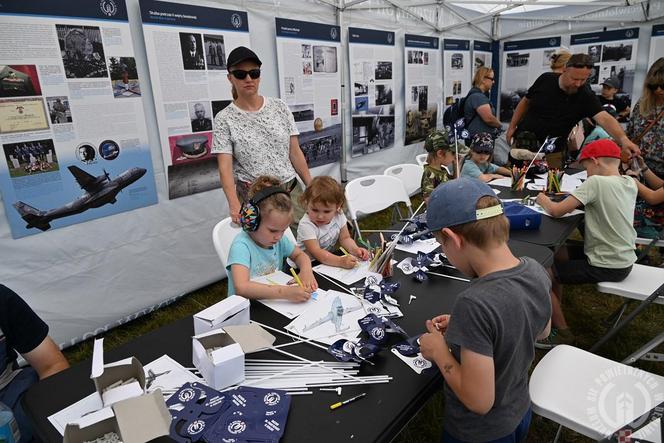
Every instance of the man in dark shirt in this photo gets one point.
(22, 331)
(610, 88)
(557, 102)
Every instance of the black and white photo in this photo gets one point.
(200, 113)
(325, 59)
(215, 51)
(82, 51)
(191, 46)
(58, 109)
(383, 71)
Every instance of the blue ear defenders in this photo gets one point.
(250, 214)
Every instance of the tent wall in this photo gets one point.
(90, 277)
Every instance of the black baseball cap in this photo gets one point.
(612, 82)
(241, 54)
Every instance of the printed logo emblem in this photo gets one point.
(629, 34)
(108, 7)
(390, 38)
(187, 394)
(196, 427)
(236, 20)
(237, 427)
(333, 33)
(420, 362)
(272, 398)
(552, 42)
(377, 333)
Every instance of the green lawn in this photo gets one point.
(585, 309)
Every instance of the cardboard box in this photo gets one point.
(104, 375)
(135, 420)
(233, 310)
(225, 366)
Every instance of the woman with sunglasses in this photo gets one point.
(478, 111)
(646, 124)
(255, 136)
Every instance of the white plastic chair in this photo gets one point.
(421, 159)
(225, 232)
(409, 174)
(374, 193)
(569, 383)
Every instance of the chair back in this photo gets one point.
(409, 174)
(374, 193)
(421, 159)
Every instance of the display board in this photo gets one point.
(523, 62)
(423, 90)
(187, 46)
(371, 58)
(656, 44)
(614, 55)
(458, 71)
(308, 55)
(482, 55)
(72, 128)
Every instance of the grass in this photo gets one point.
(585, 309)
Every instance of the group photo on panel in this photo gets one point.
(479, 216)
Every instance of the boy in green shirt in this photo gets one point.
(609, 240)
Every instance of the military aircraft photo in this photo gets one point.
(99, 191)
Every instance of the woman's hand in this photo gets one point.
(234, 208)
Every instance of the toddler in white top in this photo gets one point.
(324, 224)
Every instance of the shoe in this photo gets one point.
(555, 338)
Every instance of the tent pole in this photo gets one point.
(343, 38)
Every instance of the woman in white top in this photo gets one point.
(255, 136)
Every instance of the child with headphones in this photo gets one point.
(261, 247)
(324, 224)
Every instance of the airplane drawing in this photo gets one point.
(335, 316)
(99, 191)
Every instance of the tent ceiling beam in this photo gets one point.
(479, 19)
(537, 28)
(415, 16)
(329, 3)
(474, 26)
(573, 19)
(352, 3)
(506, 3)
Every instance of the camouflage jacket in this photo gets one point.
(431, 178)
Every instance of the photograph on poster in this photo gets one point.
(218, 105)
(425, 58)
(456, 87)
(419, 124)
(188, 147)
(109, 150)
(86, 153)
(215, 51)
(306, 51)
(456, 61)
(289, 87)
(191, 46)
(19, 81)
(82, 51)
(480, 60)
(199, 114)
(187, 178)
(321, 146)
(22, 115)
(361, 88)
(546, 57)
(595, 52)
(124, 77)
(383, 71)
(373, 131)
(306, 68)
(325, 59)
(517, 60)
(30, 157)
(361, 104)
(383, 95)
(422, 98)
(594, 76)
(302, 113)
(616, 52)
(58, 109)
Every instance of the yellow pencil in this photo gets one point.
(341, 248)
(296, 277)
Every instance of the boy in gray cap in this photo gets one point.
(485, 347)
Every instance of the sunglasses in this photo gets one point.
(581, 65)
(489, 78)
(654, 87)
(241, 74)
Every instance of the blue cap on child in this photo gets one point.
(455, 202)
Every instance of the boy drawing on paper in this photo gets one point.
(261, 247)
(324, 224)
(440, 160)
(485, 347)
(609, 239)
(479, 164)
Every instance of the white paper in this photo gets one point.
(569, 183)
(507, 182)
(322, 321)
(74, 412)
(345, 276)
(583, 175)
(284, 307)
(417, 363)
(425, 246)
(535, 186)
(541, 210)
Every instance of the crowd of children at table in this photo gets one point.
(512, 305)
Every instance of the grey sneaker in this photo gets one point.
(555, 338)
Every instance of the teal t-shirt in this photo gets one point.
(260, 261)
(471, 169)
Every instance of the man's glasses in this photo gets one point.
(241, 74)
(581, 65)
(654, 87)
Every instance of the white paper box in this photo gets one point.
(225, 367)
(233, 310)
(105, 375)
